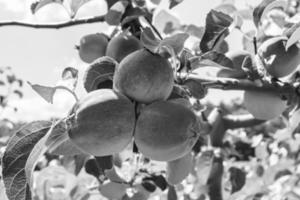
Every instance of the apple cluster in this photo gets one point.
(128, 101)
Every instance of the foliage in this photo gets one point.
(239, 150)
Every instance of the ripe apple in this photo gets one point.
(92, 46)
(103, 123)
(144, 77)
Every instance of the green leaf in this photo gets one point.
(115, 13)
(156, 2)
(110, 3)
(132, 14)
(44, 91)
(75, 5)
(293, 39)
(172, 194)
(216, 29)
(237, 179)
(264, 7)
(149, 40)
(218, 58)
(174, 3)
(19, 93)
(69, 78)
(74, 163)
(226, 8)
(41, 3)
(16, 155)
(54, 137)
(175, 41)
(289, 32)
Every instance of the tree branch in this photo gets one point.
(56, 25)
(214, 181)
(241, 121)
(241, 84)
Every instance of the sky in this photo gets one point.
(40, 55)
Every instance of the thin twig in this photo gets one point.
(56, 25)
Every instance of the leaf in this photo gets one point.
(69, 78)
(174, 3)
(175, 41)
(44, 91)
(156, 2)
(172, 194)
(41, 3)
(67, 148)
(237, 179)
(149, 40)
(101, 70)
(264, 7)
(293, 39)
(110, 3)
(104, 162)
(216, 29)
(159, 181)
(54, 137)
(218, 58)
(19, 93)
(132, 14)
(15, 156)
(149, 186)
(289, 32)
(226, 8)
(165, 21)
(74, 163)
(195, 30)
(75, 5)
(115, 13)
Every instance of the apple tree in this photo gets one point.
(146, 128)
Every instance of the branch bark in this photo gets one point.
(240, 84)
(70, 23)
(241, 121)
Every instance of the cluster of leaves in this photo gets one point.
(239, 157)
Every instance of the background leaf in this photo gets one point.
(44, 91)
(15, 156)
(41, 3)
(174, 3)
(216, 29)
(149, 40)
(75, 6)
(264, 7)
(237, 179)
(115, 13)
(175, 41)
(294, 38)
